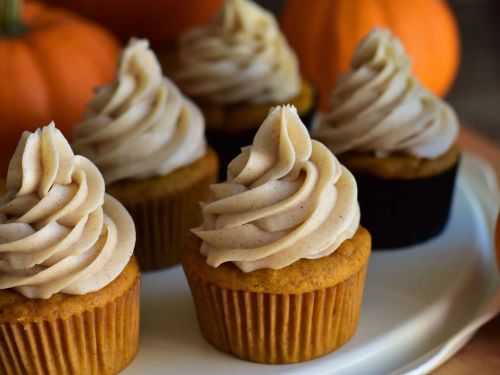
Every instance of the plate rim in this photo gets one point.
(471, 167)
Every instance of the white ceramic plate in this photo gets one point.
(417, 309)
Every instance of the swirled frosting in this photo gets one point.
(140, 125)
(380, 107)
(286, 198)
(241, 57)
(59, 231)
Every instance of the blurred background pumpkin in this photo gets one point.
(50, 62)
(321, 28)
(325, 33)
(161, 21)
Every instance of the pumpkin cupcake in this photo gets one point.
(69, 288)
(399, 141)
(148, 141)
(278, 268)
(236, 69)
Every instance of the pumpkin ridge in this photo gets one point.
(315, 32)
(105, 67)
(324, 42)
(336, 63)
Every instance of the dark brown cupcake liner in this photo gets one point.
(101, 340)
(228, 144)
(404, 212)
(278, 328)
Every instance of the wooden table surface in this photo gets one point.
(481, 356)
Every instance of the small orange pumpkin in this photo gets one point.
(325, 34)
(161, 21)
(50, 62)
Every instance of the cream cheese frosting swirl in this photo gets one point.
(380, 107)
(286, 198)
(241, 57)
(59, 231)
(140, 125)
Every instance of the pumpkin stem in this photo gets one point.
(10, 17)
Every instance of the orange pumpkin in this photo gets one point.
(325, 33)
(50, 62)
(161, 21)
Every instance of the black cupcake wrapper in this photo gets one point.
(228, 144)
(400, 212)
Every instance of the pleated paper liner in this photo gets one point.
(404, 212)
(165, 208)
(232, 127)
(93, 334)
(301, 312)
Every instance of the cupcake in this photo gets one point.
(277, 268)
(399, 141)
(148, 141)
(236, 69)
(69, 288)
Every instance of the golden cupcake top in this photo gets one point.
(242, 56)
(380, 107)
(286, 197)
(59, 231)
(140, 125)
